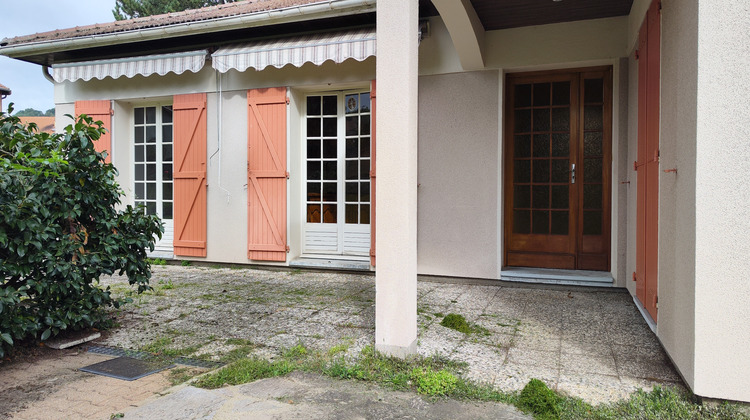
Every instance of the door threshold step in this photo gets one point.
(332, 263)
(561, 277)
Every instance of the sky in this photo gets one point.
(23, 17)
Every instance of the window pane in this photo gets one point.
(166, 134)
(592, 196)
(351, 148)
(560, 144)
(521, 196)
(522, 121)
(541, 145)
(166, 153)
(139, 191)
(313, 127)
(313, 170)
(329, 127)
(139, 172)
(540, 222)
(522, 171)
(313, 191)
(329, 191)
(521, 221)
(541, 94)
(364, 192)
(593, 90)
(352, 213)
(329, 170)
(560, 170)
(592, 170)
(352, 126)
(330, 106)
(560, 119)
(329, 149)
(151, 208)
(364, 169)
(364, 102)
(151, 153)
(559, 223)
(150, 134)
(592, 144)
(561, 93)
(139, 115)
(313, 213)
(139, 154)
(540, 195)
(352, 169)
(364, 147)
(313, 105)
(592, 222)
(522, 146)
(166, 171)
(150, 191)
(166, 114)
(351, 103)
(151, 115)
(560, 197)
(541, 170)
(364, 125)
(167, 190)
(592, 118)
(329, 213)
(522, 96)
(364, 214)
(541, 119)
(167, 210)
(313, 149)
(151, 172)
(351, 191)
(139, 134)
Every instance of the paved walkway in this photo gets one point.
(588, 344)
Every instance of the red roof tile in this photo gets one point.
(4, 90)
(196, 15)
(45, 124)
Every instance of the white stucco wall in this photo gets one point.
(677, 241)
(722, 208)
(458, 174)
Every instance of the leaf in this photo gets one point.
(46, 334)
(7, 338)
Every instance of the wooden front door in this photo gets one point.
(557, 169)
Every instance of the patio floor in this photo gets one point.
(590, 344)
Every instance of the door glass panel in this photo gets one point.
(541, 119)
(592, 117)
(592, 144)
(522, 171)
(364, 147)
(313, 170)
(330, 169)
(329, 213)
(352, 126)
(329, 191)
(313, 191)
(364, 192)
(352, 213)
(522, 96)
(313, 127)
(592, 170)
(523, 121)
(593, 90)
(330, 105)
(364, 125)
(541, 145)
(313, 105)
(521, 196)
(561, 93)
(540, 222)
(330, 127)
(521, 221)
(560, 197)
(540, 196)
(313, 213)
(560, 170)
(329, 149)
(541, 170)
(522, 146)
(560, 144)
(313, 149)
(364, 214)
(561, 119)
(153, 161)
(559, 223)
(541, 94)
(351, 191)
(592, 196)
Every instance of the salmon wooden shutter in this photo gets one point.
(267, 174)
(372, 175)
(190, 175)
(99, 111)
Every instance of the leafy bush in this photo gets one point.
(60, 231)
(430, 382)
(536, 398)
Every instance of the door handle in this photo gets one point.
(572, 173)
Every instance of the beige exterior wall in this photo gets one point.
(677, 241)
(458, 175)
(722, 208)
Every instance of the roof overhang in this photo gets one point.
(307, 12)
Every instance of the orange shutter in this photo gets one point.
(372, 175)
(99, 111)
(190, 175)
(266, 173)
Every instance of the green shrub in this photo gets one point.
(60, 231)
(536, 398)
(430, 382)
(456, 322)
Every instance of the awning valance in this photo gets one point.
(358, 44)
(147, 65)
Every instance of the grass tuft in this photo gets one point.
(537, 399)
(458, 322)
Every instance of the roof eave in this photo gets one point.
(311, 11)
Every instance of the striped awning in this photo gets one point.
(358, 44)
(147, 65)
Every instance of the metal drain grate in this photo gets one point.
(140, 355)
(126, 368)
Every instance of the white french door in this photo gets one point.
(152, 160)
(337, 174)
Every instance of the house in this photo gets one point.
(4, 92)
(585, 142)
(44, 124)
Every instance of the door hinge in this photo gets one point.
(287, 175)
(637, 54)
(111, 111)
(287, 249)
(656, 301)
(635, 278)
(656, 155)
(287, 100)
(659, 6)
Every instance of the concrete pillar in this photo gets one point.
(396, 275)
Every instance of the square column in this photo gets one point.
(396, 274)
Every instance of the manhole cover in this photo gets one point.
(127, 368)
